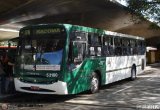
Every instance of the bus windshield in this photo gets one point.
(45, 51)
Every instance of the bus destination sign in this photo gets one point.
(42, 31)
(47, 31)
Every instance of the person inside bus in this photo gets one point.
(52, 54)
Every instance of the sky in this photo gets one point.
(123, 2)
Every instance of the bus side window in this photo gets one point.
(81, 50)
(126, 46)
(77, 47)
(135, 52)
(141, 47)
(107, 45)
(110, 45)
(133, 47)
(99, 45)
(92, 51)
(105, 48)
(118, 48)
(95, 44)
(77, 53)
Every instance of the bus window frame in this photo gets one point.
(72, 42)
(118, 48)
(95, 42)
(109, 47)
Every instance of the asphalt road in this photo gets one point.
(141, 94)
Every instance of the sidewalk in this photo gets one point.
(152, 66)
(150, 69)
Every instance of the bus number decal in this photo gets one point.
(51, 75)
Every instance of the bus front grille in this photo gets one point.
(38, 82)
(38, 90)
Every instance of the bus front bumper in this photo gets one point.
(55, 88)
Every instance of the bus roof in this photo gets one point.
(86, 29)
(101, 31)
(123, 35)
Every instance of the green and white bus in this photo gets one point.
(69, 59)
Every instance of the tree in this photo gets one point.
(149, 9)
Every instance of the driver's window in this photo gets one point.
(80, 49)
(76, 54)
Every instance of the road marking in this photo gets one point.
(121, 90)
(76, 108)
(82, 101)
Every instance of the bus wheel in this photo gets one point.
(133, 73)
(94, 83)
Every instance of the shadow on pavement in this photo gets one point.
(36, 98)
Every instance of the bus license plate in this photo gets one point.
(34, 88)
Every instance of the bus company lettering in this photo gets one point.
(47, 31)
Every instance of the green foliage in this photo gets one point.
(154, 26)
(150, 9)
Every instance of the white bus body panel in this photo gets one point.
(118, 68)
(59, 87)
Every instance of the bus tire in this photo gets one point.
(94, 83)
(133, 73)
